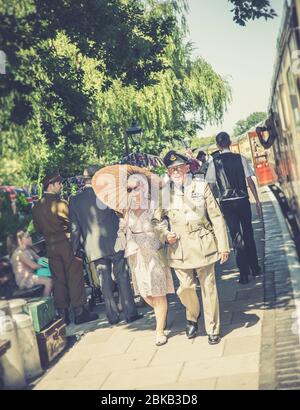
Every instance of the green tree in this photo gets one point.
(245, 10)
(252, 120)
(10, 221)
(203, 142)
(78, 72)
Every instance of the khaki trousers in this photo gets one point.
(189, 298)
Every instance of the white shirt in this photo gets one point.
(211, 178)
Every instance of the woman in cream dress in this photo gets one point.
(24, 264)
(151, 277)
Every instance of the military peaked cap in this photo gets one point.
(173, 159)
(51, 179)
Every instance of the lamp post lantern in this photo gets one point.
(135, 129)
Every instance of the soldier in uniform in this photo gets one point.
(196, 239)
(51, 218)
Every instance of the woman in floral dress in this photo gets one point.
(151, 277)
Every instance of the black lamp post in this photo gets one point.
(134, 130)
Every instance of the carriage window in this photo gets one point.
(281, 110)
(292, 79)
(293, 96)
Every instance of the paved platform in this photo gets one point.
(258, 349)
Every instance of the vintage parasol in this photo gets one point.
(110, 185)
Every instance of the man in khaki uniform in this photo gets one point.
(51, 218)
(196, 238)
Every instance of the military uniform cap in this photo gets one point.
(51, 178)
(173, 159)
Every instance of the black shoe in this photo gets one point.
(82, 315)
(257, 272)
(64, 314)
(214, 339)
(114, 322)
(244, 281)
(134, 318)
(191, 329)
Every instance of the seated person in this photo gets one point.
(26, 267)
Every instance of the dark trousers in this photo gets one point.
(237, 214)
(105, 266)
(67, 275)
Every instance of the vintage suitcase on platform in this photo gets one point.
(52, 341)
(42, 312)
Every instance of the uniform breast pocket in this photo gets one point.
(208, 242)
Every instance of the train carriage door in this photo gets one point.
(264, 170)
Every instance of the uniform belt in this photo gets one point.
(194, 227)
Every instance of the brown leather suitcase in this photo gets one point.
(52, 341)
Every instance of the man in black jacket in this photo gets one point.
(231, 172)
(94, 229)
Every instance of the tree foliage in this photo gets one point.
(252, 120)
(245, 10)
(78, 72)
(203, 142)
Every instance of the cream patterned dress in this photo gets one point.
(24, 275)
(150, 274)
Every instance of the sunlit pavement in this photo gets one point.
(260, 342)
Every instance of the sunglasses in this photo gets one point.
(130, 189)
